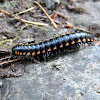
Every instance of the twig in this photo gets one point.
(35, 23)
(54, 24)
(5, 12)
(10, 61)
(22, 20)
(25, 11)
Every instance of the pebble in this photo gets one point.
(52, 4)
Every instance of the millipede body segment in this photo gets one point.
(63, 43)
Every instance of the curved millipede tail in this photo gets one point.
(63, 43)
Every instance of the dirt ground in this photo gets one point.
(69, 16)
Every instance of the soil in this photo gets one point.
(70, 15)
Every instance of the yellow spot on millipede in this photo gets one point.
(28, 53)
(49, 49)
(62, 34)
(54, 48)
(43, 51)
(33, 53)
(56, 36)
(51, 38)
(24, 53)
(72, 42)
(16, 52)
(88, 39)
(68, 33)
(67, 44)
(61, 46)
(79, 40)
(38, 52)
(46, 39)
(20, 53)
(84, 40)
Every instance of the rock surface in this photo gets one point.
(73, 76)
(51, 4)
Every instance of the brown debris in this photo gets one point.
(11, 71)
(8, 35)
(25, 11)
(72, 7)
(78, 10)
(54, 16)
(23, 20)
(54, 24)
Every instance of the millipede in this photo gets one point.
(50, 47)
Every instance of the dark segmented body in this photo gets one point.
(42, 50)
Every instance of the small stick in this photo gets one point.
(22, 20)
(5, 12)
(54, 24)
(35, 23)
(25, 11)
(6, 62)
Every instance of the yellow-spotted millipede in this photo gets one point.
(59, 44)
